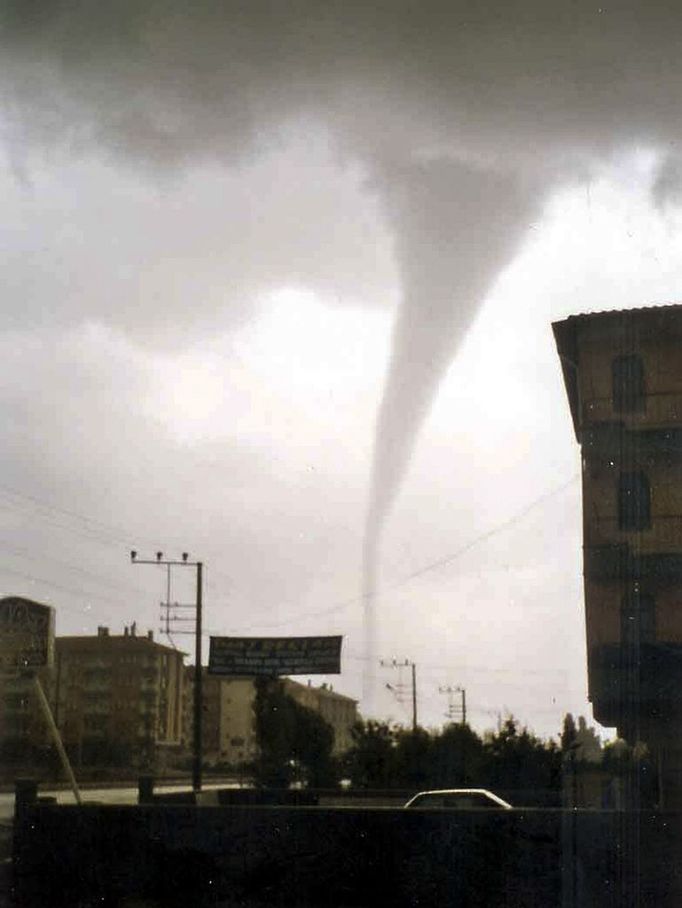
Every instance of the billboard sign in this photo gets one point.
(271, 656)
(26, 634)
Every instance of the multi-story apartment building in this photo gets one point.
(118, 698)
(623, 376)
(229, 734)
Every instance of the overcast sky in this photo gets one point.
(278, 284)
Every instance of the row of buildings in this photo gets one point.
(126, 700)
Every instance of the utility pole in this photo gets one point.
(406, 663)
(198, 685)
(168, 620)
(451, 691)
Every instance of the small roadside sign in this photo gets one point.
(26, 634)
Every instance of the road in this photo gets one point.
(102, 795)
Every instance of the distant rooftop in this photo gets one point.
(323, 688)
(129, 639)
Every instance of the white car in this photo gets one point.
(459, 799)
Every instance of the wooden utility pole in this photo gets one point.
(406, 663)
(450, 714)
(197, 746)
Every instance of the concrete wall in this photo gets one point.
(310, 856)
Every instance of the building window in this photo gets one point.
(627, 373)
(638, 619)
(634, 501)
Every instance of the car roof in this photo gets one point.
(449, 791)
(463, 791)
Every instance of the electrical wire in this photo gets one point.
(430, 566)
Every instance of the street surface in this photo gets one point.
(101, 795)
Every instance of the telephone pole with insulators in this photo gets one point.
(453, 708)
(198, 686)
(405, 663)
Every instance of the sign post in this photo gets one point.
(63, 756)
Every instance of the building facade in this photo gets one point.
(228, 732)
(118, 699)
(623, 376)
(338, 710)
(26, 652)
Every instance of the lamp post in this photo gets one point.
(198, 685)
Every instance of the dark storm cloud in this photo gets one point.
(520, 86)
(168, 81)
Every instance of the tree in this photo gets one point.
(521, 761)
(370, 763)
(456, 758)
(412, 757)
(292, 740)
(512, 759)
(589, 747)
(569, 735)
(312, 747)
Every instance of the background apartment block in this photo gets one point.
(118, 698)
(338, 711)
(24, 733)
(229, 734)
(623, 375)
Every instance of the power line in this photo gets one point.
(23, 552)
(468, 668)
(49, 583)
(100, 531)
(93, 528)
(431, 566)
(111, 531)
(501, 527)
